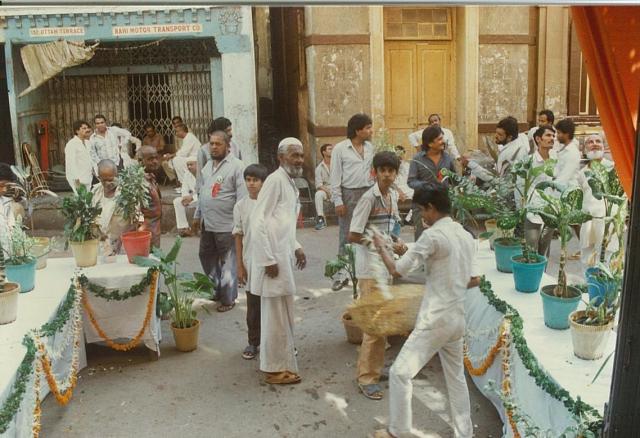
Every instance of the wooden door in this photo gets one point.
(417, 83)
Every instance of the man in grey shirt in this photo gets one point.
(222, 186)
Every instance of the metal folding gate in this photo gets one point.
(131, 100)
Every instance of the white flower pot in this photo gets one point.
(589, 341)
(9, 303)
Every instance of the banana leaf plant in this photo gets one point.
(28, 188)
(183, 288)
(605, 186)
(561, 213)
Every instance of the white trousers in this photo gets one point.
(446, 339)
(277, 352)
(181, 213)
(320, 197)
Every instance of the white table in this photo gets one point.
(35, 308)
(121, 319)
(552, 348)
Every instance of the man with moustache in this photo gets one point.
(222, 186)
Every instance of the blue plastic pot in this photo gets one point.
(24, 275)
(505, 249)
(597, 288)
(527, 276)
(556, 310)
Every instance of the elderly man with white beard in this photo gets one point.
(592, 232)
(275, 250)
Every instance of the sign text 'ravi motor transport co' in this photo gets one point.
(157, 29)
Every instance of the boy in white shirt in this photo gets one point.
(254, 176)
(188, 198)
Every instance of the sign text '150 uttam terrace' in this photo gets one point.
(157, 29)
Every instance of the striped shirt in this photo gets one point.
(372, 210)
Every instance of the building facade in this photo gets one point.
(471, 64)
(150, 64)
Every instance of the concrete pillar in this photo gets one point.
(239, 91)
(376, 50)
(553, 59)
(339, 70)
(467, 58)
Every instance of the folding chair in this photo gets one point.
(306, 198)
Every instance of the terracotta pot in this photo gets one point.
(136, 243)
(41, 251)
(589, 341)
(186, 338)
(9, 303)
(85, 253)
(354, 333)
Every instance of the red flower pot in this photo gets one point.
(136, 243)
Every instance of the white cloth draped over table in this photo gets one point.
(552, 349)
(34, 309)
(121, 319)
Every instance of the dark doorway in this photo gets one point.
(289, 75)
(6, 136)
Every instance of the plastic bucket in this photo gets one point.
(85, 253)
(504, 252)
(556, 310)
(24, 275)
(136, 243)
(527, 276)
(41, 251)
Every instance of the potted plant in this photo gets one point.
(8, 294)
(528, 267)
(605, 186)
(346, 263)
(20, 264)
(133, 194)
(80, 228)
(561, 213)
(590, 328)
(183, 288)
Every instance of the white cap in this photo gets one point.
(282, 146)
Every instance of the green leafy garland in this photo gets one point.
(542, 379)
(12, 404)
(134, 291)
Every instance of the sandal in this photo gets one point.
(282, 378)
(372, 391)
(382, 433)
(225, 307)
(250, 352)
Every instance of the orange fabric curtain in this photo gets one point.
(610, 41)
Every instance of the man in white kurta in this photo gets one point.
(447, 251)
(275, 249)
(592, 232)
(78, 164)
(175, 165)
(188, 197)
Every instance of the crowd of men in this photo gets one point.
(247, 220)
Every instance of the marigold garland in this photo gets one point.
(136, 340)
(63, 397)
(487, 362)
(37, 411)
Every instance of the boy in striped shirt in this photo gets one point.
(377, 207)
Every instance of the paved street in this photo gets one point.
(214, 392)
